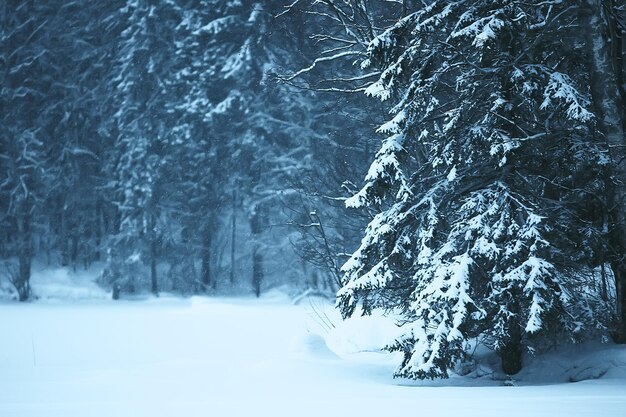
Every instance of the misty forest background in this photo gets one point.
(460, 163)
(154, 137)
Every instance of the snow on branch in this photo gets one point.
(561, 88)
(482, 31)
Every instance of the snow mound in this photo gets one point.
(359, 334)
(311, 296)
(49, 283)
(310, 346)
(276, 295)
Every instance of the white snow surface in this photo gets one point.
(260, 357)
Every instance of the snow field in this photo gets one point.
(248, 357)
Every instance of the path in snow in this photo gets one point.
(212, 357)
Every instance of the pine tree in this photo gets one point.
(76, 207)
(28, 76)
(466, 240)
(140, 125)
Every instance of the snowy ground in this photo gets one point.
(248, 357)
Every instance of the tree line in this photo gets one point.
(153, 138)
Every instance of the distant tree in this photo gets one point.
(26, 31)
(140, 127)
(79, 213)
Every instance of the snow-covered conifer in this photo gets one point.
(140, 125)
(465, 242)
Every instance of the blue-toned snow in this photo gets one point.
(92, 357)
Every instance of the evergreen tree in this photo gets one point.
(78, 211)
(140, 127)
(28, 76)
(55, 56)
(466, 241)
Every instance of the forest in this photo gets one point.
(459, 164)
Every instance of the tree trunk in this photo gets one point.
(65, 250)
(153, 257)
(233, 238)
(511, 352)
(205, 272)
(257, 257)
(257, 270)
(22, 280)
(617, 247)
(116, 291)
(99, 232)
(609, 100)
(620, 284)
(74, 251)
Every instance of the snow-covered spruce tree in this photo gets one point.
(207, 105)
(31, 76)
(21, 155)
(76, 207)
(139, 124)
(466, 240)
(55, 57)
